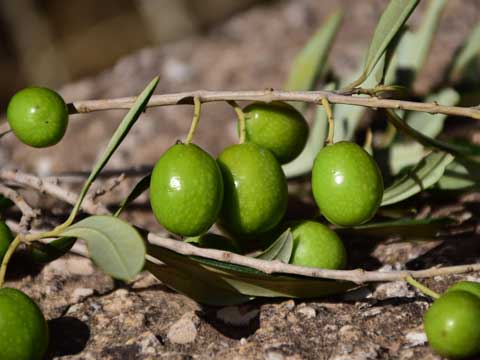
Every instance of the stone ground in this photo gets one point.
(93, 317)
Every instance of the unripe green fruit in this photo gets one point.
(6, 238)
(38, 116)
(214, 241)
(452, 324)
(468, 286)
(186, 190)
(316, 245)
(347, 184)
(23, 327)
(278, 127)
(255, 189)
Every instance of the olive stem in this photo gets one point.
(422, 288)
(358, 276)
(269, 95)
(196, 118)
(6, 258)
(331, 121)
(242, 129)
(367, 145)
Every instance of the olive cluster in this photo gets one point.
(245, 190)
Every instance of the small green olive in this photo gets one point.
(255, 189)
(38, 116)
(186, 190)
(316, 245)
(347, 184)
(452, 324)
(23, 327)
(278, 127)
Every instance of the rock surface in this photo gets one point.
(93, 317)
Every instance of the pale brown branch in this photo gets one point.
(275, 95)
(269, 267)
(51, 188)
(28, 213)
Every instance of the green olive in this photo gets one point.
(452, 324)
(186, 190)
(278, 127)
(38, 116)
(255, 189)
(468, 286)
(23, 327)
(347, 184)
(316, 245)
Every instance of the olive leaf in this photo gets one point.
(280, 249)
(390, 23)
(406, 228)
(43, 253)
(414, 47)
(469, 51)
(246, 281)
(142, 186)
(312, 59)
(421, 177)
(114, 245)
(128, 121)
(303, 163)
(460, 175)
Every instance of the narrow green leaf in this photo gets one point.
(280, 249)
(460, 175)
(424, 175)
(192, 280)
(428, 124)
(424, 228)
(247, 281)
(415, 46)
(114, 245)
(312, 59)
(390, 23)
(405, 154)
(117, 138)
(469, 51)
(316, 141)
(138, 190)
(44, 253)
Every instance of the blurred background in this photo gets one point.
(53, 42)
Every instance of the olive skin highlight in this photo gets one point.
(347, 184)
(186, 190)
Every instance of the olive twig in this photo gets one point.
(409, 279)
(6, 258)
(357, 276)
(241, 121)
(331, 121)
(313, 97)
(196, 118)
(28, 213)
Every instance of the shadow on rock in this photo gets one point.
(68, 336)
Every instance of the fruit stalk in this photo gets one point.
(269, 95)
(331, 121)
(241, 121)
(11, 249)
(422, 288)
(196, 118)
